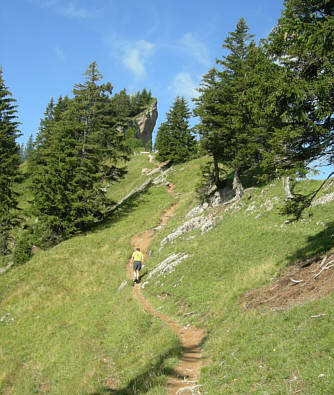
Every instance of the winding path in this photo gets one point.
(186, 373)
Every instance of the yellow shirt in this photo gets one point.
(137, 256)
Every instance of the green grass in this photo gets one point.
(72, 329)
(133, 179)
(262, 352)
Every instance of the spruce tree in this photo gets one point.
(9, 164)
(175, 141)
(207, 108)
(28, 149)
(303, 105)
(77, 155)
(230, 125)
(303, 42)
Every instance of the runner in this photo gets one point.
(137, 260)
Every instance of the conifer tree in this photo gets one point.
(28, 149)
(230, 128)
(9, 164)
(175, 141)
(303, 43)
(303, 106)
(211, 120)
(78, 152)
(22, 152)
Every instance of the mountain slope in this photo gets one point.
(71, 330)
(251, 351)
(66, 328)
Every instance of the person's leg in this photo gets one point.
(136, 268)
(134, 272)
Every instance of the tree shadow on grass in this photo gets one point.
(316, 245)
(150, 378)
(122, 210)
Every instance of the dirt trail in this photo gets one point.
(187, 371)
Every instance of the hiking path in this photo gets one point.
(186, 373)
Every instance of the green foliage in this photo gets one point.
(250, 351)
(130, 139)
(299, 202)
(23, 247)
(127, 106)
(233, 128)
(70, 317)
(207, 183)
(73, 332)
(175, 141)
(302, 42)
(28, 149)
(79, 151)
(148, 145)
(303, 103)
(9, 165)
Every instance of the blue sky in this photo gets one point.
(165, 46)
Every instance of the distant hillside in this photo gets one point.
(67, 326)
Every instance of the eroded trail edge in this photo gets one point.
(186, 373)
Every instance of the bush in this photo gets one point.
(131, 140)
(22, 251)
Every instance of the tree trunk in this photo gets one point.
(237, 185)
(286, 186)
(216, 172)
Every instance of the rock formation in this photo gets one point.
(145, 123)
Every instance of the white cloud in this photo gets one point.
(134, 55)
(196, 49)
(184, 85)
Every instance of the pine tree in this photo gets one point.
(9, 164)
(28, 149)
(303, 42)
(211, 120)
(78, 152)
(22, 152)
(175, 141)
(229, 127)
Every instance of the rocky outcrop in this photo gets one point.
(203, 222)
(323, 200)
(165, 267)
(3, 270)
(145, 123)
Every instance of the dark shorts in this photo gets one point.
(136, 265)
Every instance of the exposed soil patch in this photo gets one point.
(298, 284)
(187, 371)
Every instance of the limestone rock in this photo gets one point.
(166, 266)
(3, 270)
(205, 223)
(323, 199)
(145, 123)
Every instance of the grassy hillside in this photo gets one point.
(70, 331)
(250, 351)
